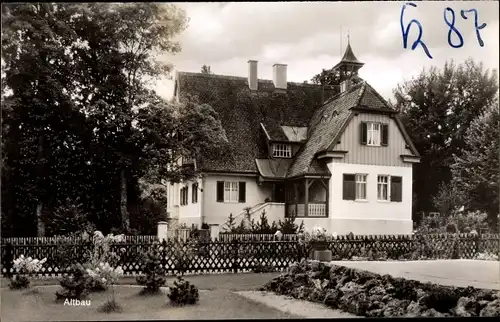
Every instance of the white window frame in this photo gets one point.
(361, 184)
(231, 191)
(383, 180)
(282, 150)
(373, 134)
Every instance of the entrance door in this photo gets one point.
(279, 192)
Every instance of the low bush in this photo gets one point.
(488, 256)
(368, 294)
(24, 268)
(183, 292)
(19, 282)
(154, 277)
(74, 285)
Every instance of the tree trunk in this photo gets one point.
(123, 200)
(39, 219)
(39, 207)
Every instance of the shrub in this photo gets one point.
(183, 292)
(24, 268)
(183, 254)
(101, 254)
(18, 282)
(487, 256)
(288, 226)
(108, 275)
(70, 249)
(154, 277)
(74, 285)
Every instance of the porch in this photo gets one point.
(307, 197)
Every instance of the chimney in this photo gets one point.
(345, 85)
(279, 76)
(252, 75)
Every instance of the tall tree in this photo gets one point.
(128, 62)
(37, 71)
(437, 107)
(78, 76)
(476, 171)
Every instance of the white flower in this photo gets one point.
(98, 234)
(119, 270)
(334, 235)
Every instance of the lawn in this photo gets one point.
(213, 304)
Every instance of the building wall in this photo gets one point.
(218, 212)
(371, 216)
(188, 214)
(363, 154)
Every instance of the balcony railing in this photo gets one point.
(314, 210)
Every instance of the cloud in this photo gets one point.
(307, 37)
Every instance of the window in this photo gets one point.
(373, 137)
(231, 191)
(184, 196)
(194, 193)
(282, 150)
(383, 187)
(361, 186)
(374, 134)
(354, 186)
(396, 189)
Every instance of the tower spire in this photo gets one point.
(349, 64)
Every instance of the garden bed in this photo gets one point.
(372, 295)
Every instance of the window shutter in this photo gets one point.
(349, 187)
(397, 189)
(242, 192)
(220, 191)
(364, 132)
(385, 134)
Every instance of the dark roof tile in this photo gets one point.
(241, 112)
(326, 123)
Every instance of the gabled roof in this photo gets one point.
(242, 111)
(330, 121)
(325, 125)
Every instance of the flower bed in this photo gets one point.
(372, 295)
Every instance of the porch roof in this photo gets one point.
(273, 168)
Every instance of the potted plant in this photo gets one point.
(317, 243)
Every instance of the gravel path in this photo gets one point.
(459, 272)
(293, 306)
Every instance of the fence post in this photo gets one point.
(235, 255)
(214, 231)
(164, 255)
(162, 232)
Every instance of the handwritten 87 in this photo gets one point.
(450, 24)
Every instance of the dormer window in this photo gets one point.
(281, 150)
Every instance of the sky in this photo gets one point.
(310, 36)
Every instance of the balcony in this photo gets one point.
(314, 210)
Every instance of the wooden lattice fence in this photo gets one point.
(219, 256)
